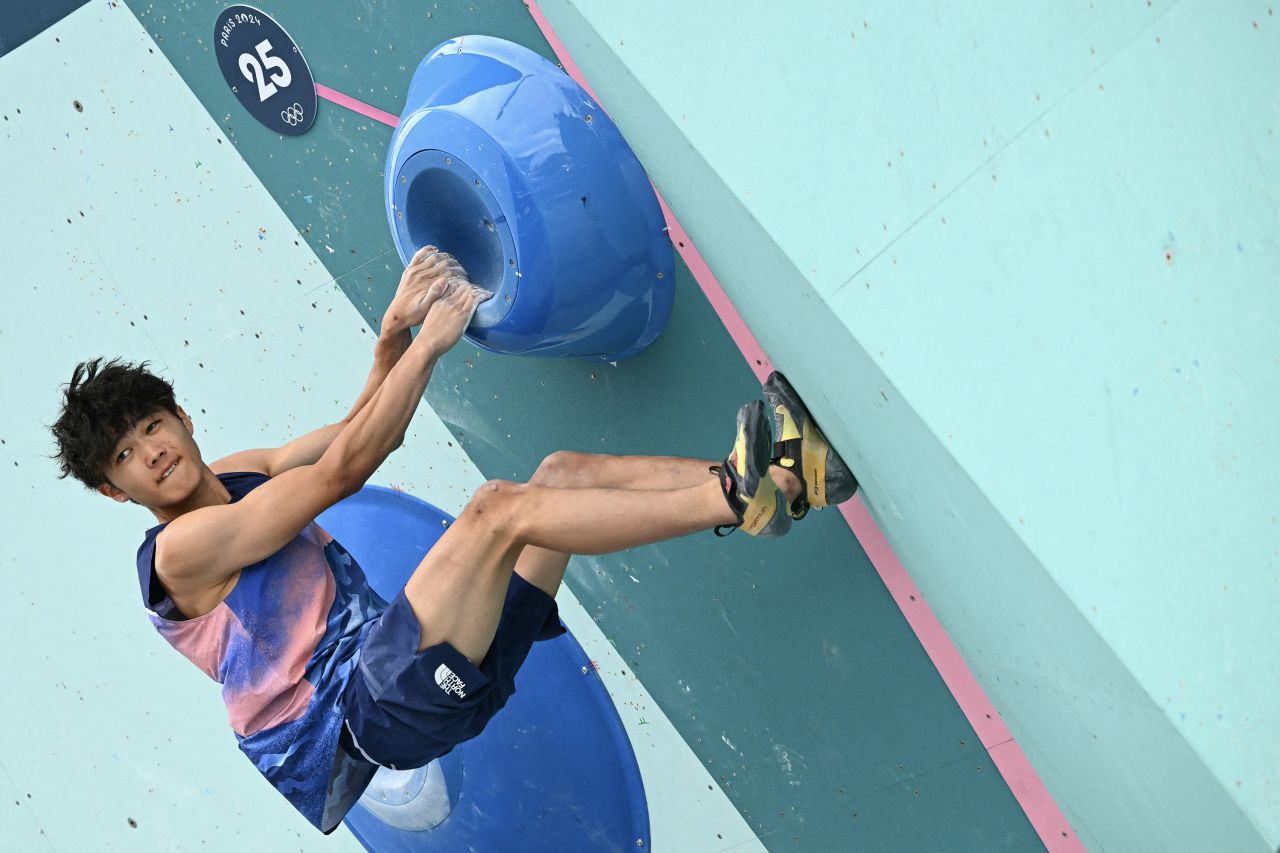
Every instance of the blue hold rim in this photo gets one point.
(464, 220)
(505, 162)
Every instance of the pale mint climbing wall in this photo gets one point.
(1022, 260)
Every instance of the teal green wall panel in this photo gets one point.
(322, 180)
(1038, 249)
(785, 666)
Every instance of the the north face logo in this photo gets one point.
(450, 682)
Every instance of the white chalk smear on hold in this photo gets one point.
(476, 307)
(728, 743)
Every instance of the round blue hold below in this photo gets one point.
(553, 772)
(503, 161)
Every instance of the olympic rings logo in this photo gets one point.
(292, 115)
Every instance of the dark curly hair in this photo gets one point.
(102, 403)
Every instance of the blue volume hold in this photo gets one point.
(503, 161)
(552, 772)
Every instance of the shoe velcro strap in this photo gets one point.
(787, 454)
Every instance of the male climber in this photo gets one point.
(322, 679)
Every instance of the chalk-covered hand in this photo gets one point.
(453, 304)
(428, 267)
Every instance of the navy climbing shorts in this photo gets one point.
(404, 708)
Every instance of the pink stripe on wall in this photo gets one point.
(1023, 781)
(358, 106)
(1008, 757)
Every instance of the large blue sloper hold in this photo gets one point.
(552, 772)
(503, 161)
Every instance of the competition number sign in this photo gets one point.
(265, 70)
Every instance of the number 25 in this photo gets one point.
(253, 70)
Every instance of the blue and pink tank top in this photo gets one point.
(283, 645)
